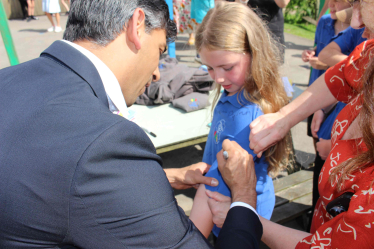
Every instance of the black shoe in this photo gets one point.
(29, 19)
(34, 18)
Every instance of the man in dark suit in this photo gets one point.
(75, 175)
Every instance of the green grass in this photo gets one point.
(304, 30)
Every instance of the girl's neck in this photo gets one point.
(340, 26)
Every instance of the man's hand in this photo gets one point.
(307, 54)
(219, 206)
(266, 131)
(316, 122)
(323, 148)
(315, 63)
(190, 176)
(238, 172)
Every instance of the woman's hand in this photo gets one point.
(266, 131)
(316, 122)
(323, 148)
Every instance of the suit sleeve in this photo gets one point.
(242, 229)
(121, 198)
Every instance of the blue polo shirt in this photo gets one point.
(326, 127)
(347, 40)
(231, 119)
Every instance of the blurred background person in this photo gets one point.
(31, 9)
(199, 8)
(66, 4)
(52, 7)
(24, 8)
(182, 16)
(271, 12)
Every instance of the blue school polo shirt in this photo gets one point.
(326, 127)
(231, 119)
(347, 40)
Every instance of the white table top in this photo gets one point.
(172, 125)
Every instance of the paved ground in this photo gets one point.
(31, 38)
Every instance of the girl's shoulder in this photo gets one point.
(325, 22)
(243, 99)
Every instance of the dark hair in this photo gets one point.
(101, 21)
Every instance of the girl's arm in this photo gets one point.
(201, 215)
(282, 3)
(331, 54)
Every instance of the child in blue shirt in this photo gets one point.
(329, 29)
(243, 59)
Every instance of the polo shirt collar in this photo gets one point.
(237, 100)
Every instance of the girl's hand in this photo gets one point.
(219, 206)
(317, 64)
(323, 148)
(316, 122)
(307, 54)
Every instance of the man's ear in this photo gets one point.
(136, 27)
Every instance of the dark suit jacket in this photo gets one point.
(72, 174)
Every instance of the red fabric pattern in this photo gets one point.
(354, 228)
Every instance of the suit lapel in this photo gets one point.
(80, 64)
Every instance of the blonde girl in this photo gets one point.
(243, 59)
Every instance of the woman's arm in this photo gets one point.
(201, 215)
(277, 236)
(268, 129)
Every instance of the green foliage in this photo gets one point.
(304, 30)
(296, 9)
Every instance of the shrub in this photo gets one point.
(297, 9)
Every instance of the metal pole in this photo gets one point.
(7, 37)
(171, 46)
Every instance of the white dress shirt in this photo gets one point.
(112, 88)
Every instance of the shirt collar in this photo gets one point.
(112, 88)
(237, 100)
(331, 22)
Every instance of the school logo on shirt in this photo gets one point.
(220, 127)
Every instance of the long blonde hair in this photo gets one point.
(236, 28)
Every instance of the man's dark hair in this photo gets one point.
(101, 21)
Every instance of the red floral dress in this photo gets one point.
(354, 228)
